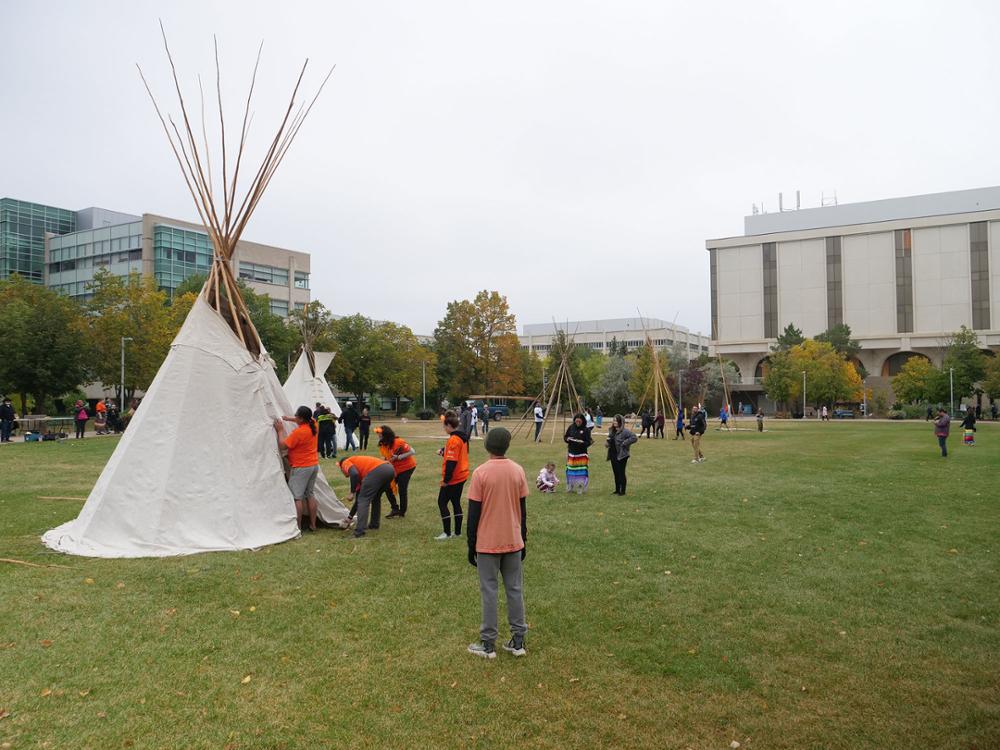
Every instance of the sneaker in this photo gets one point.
(393, 514)
(484, 649)
(442, 537)
(359, 534)
(515, 646)
(694, 460)
(457, 534)
(701, 460)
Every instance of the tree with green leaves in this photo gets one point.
(44, 351)
(611, 392)
(788, 338)
(918, 381)
(781, 379)
(991, 378)
(839, 337)
(964, 361)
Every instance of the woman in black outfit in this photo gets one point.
(619, 440)
(364, 427)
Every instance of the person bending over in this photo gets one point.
(369, 478)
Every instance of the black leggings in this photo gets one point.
(81, 425)
(618, 467)
(403, 485)
(363, 438)
(451, 493)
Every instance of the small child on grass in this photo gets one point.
(547, 479)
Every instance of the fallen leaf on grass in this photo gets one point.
(455, 683)
(622, 717)
(234, 612)
(246, 680)
(734, 744)
(46, 693)
(88, 581)
(4, 713)
(7, 645)
(120, 585)
(953, 551)
(170, 612)
(102, 714)
(571, 679)
(84, 693)
(45, 643)
(253, 609)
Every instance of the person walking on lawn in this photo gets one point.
(697, 428)
(350, 419)
(942, 426)
(679, 427)
(484, 416)
(498, 536)
(454, 472)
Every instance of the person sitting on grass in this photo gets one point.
(370, 477)
(498, 535)
(547, 479)
(303, 457)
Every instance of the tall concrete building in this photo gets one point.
(903, 273)
(64, 249)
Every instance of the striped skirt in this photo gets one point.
(969, 438)
(577, 473)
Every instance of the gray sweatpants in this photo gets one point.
(370, 495)
(509, 566)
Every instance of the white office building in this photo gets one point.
(903, 273)
(598, 334)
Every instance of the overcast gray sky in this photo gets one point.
(573, 155)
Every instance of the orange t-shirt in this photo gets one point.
(398, 446)
(499, 484)
(364, 464)
(302, 447)
(100, 407)
(456, 450)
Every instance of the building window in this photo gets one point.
(834, 283)
(263, 274)
(904, 281)
(279, 307)
(979, 262)
(301, 280)
(713, 266)
(770, 253)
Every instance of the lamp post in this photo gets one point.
(803, 394)
(864, 396)
(951, 389)
(121, 396)
(423, 372)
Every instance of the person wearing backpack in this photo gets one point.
(80, 418)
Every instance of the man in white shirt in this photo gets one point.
(475, 421)
(539, 419)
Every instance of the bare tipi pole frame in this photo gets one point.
(563, 381)
(657, 385)
(226, 227)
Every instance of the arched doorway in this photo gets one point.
(894, 363)
(760, 371)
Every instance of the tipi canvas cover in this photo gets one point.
(305, 389)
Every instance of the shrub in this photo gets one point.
(425, 414)
(896, 414)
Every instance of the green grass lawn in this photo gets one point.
(816, 586)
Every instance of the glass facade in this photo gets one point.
(904, 281)
(178, 254)
(979, 257)
(834, 283)
(770, 262)
(301, 280)
(713, 265)
(265, 274)
(75, 257)
(22, 236)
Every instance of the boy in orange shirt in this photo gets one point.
(498, 533)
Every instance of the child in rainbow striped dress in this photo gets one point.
(577, 461)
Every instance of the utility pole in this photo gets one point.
(423, 372)
(121, 398)
(864, 396)
(803, 394)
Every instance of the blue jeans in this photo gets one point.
(943, 442)
(350, 441)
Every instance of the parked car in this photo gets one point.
(843, 414)
(497, 411)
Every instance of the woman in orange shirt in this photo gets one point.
(304, 459)
(399, 453)
(454, 472)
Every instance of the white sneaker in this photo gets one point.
(442, 536)
(701, 460)
(694, 460)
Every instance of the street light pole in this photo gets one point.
(864, 396)
(803, 394)
(121, 396)
(951, 388)
(423, 371)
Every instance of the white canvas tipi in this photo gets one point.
(308, 387)
(199, 467)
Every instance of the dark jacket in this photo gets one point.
(7, 412)
(350, 418)
(942, 426)
(465, 421)
(619, 442)
(698, 423)
(969, 423)
(577, 438)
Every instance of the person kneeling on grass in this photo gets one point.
(498, 534)
(547, 479)
(304, 460)
(370, 477)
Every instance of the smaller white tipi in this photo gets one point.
(306, 386)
